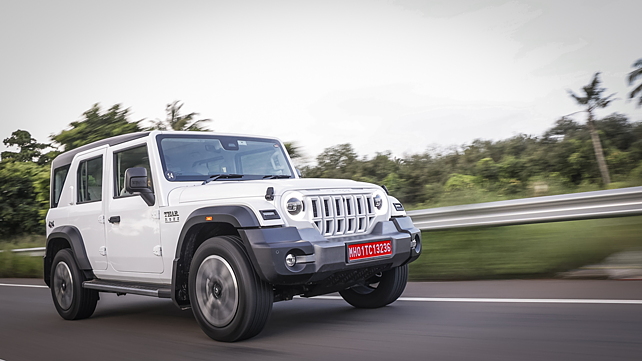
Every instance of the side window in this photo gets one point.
(90, 180)
(130, 158)
(59, 176)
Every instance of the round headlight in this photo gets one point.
(378, 201)
(294, 206)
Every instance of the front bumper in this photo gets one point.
(325, 261)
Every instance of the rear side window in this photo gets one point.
(58, 181)
(90, 180)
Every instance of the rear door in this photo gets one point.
(88, 213)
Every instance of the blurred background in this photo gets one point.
(444, 103)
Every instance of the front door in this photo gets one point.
(133, 227)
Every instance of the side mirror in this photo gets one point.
(298, 172)
(136, 182)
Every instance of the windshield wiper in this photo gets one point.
(277, 176)
(214, 177)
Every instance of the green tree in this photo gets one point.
(23, 194)
(96, 126)
(592, 100)
(487, 169)
(175, 121)
(340, 161)
(29, 149)
(633, 76)
(564, 128)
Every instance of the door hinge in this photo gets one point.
(102, 250)
(101, 219)
(158, 251)
(156, 214)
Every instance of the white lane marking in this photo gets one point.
(25, 286)
(504, 300)
(453, 299)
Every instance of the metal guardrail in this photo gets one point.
(38, 251)
(565, 207)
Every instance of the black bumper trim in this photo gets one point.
(268, 248)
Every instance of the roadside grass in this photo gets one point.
(14, 265)
(524, 251)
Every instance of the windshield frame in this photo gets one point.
(220, 138)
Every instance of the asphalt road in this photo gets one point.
(481, 320)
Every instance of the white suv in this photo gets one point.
(221, 224)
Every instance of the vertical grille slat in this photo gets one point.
(315, 208)
(338, 215)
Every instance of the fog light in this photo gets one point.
(415, 244)
(290, 260)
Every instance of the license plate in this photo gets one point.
(369, 250)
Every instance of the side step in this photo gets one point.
(144, 289)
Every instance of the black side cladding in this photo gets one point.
(73, 237)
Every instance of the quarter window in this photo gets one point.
(59, 176)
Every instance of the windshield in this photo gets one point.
(199, 157)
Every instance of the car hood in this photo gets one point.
(229, 189)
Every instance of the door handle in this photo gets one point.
(114, 219)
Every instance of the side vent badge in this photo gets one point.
(269, 214)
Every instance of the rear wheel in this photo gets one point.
(379, 290)
(72, 301)
(229, 301)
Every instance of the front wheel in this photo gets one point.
(229, 301)
(379, 290)
(72, 301)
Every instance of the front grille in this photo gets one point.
(338, 215)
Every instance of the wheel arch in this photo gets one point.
(201, 225)
(66, 237)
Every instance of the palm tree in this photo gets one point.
(175, 121)
(593, 100)
(293, 149)
(636, 73)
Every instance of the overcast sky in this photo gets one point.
(383, 75)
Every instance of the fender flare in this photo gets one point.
(72, 235)
(238, 216)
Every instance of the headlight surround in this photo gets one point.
(380, 202)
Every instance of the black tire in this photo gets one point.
(229, 300)
(72, 301)
(379, 290)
